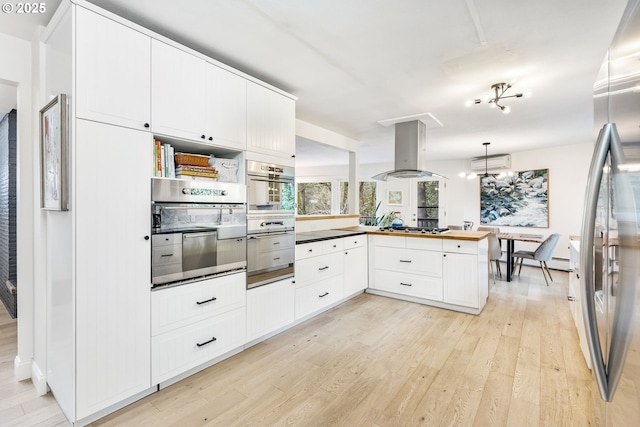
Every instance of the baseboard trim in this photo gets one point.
(22, 369)
(39, 379)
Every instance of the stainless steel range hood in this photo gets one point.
(410, 152)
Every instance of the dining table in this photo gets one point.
(511, 238)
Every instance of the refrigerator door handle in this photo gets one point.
(594, 180)
(624, 211)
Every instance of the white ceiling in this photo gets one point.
(352, 63)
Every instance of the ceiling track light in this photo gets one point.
(499, 90)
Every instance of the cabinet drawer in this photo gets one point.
(307, 250)
(409, 261)
(275, 242)
(175, 307)
(460, 246)
(318, 268)
(332, 245)
(272, 258)
(166, 239)
(168, 254)
(317, 296)
(177, 351)
(424, 243)
(354, 241)
(390, 241)
(409, 284)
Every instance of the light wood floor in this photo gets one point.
(375, 361)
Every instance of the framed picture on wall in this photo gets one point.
(54, 185)
(520, 199)
(394, 197)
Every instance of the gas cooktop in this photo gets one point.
(414, 230)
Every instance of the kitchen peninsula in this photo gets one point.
(447, 270)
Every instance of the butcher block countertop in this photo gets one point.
(451, 234)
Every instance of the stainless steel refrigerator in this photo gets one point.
(610, 240)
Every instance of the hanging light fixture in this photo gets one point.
(486, 159)
(499, 90)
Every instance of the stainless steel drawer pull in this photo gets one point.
(206, 342)
(204, 302)
(276, 243)
(570, 298)
(163, 255)
(324, 295)
(323, 268)
(405, 260)
(277, 258)
(406, 284)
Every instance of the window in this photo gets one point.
(428, 203)
(314, 198)
(367, 196)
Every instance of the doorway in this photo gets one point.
(8, 198)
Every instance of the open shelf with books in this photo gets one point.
(175, 158)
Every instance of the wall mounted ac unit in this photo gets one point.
(495, 162)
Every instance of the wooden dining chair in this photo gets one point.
(543, 253)
(495, 250)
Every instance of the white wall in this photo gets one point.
(16, 69)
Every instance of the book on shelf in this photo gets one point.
(195, 168)
(196, 173)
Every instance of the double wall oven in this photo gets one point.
(270, 223)
(199, 230)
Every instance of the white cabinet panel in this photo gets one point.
(355, 269)
(318, 268)
(409, 284)
(226, 102)
(185, 348)
(178, 306)
(318, 295)
(409, 261)
(270, 307)
(113, 65)
(178, 81)
(460, 246)
(112, 265)
(354, 241)
(461, 279)
(271, 121)
(308, 250)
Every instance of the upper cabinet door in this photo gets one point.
(113, 63)
(271, 122)
(178, 82)
(226, 108)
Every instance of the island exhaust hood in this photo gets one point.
(410, 149)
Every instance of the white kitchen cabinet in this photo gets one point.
(178, 82)
(355, 277)
(177, 351)
(196, 100)
(460, 275)
(317, 296)
(320, 275)
(113, 65)
(436, 271)
(112, 264)
(177, 306)
(408, 266)
(465, 273)
(270, 307)
(226, 108)
(271, 121)
(194, 323)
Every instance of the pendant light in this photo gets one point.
(486, 159)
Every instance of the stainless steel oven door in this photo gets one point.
(199, 250)
(270, 257)
(269, 188)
